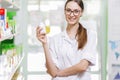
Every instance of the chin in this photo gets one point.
(72, 23)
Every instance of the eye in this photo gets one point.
(76, 11)
(68, 10)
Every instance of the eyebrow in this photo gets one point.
(71, 9)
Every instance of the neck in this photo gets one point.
(72, 30)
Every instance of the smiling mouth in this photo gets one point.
(72, 19)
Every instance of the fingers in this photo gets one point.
(40, 36)
(38, 30)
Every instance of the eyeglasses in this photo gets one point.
(75, 12)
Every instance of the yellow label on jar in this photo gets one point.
(47, 29)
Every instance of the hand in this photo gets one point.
(41, 36)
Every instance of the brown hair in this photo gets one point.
(81, 32)
(82, 36)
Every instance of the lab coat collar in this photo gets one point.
(66, 37)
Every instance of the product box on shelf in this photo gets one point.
(11, 21)
(7, 22)
(3, 26)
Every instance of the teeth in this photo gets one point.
(72, 19)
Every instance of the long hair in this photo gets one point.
(81, 32)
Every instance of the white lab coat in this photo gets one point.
(65, 53)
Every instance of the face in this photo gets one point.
(72, 12)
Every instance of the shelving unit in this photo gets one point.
(11, 74)
(7, 37)
(15, 68)
(10, 6)
(5, 3)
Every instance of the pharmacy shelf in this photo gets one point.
(15, 68)
(10, 6)
(8, 37)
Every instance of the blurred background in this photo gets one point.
(99, 15)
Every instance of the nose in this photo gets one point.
(71, 14)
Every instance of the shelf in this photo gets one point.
(7, 37)
(9, 75)
(10, 6)
(10, 68)
(15, 69)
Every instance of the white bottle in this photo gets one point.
(42, 25)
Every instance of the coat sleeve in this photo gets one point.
(90, 50)
(53, 53)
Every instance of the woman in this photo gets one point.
(70, 53)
